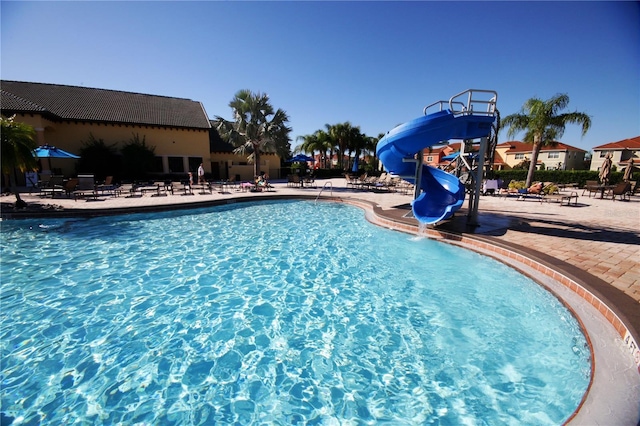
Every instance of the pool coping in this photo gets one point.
(618, 309)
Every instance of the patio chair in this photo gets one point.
(55, 185)
(623, 190)
(591, 186)
(70, 186)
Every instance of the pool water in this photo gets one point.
(283, 313)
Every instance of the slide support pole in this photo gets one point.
(472, 217)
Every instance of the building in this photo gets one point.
(68, 116)
(178, 129)
(446, 156)
(226, 164)
(622, 152)
(558, 156)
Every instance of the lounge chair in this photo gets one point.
(186, 187)
(309, 181)
(383, 182)
(351, 181)
(86, 188)
(623, 190)
(108, 186)
(562, 197)
(536, 190)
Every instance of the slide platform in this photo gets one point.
(443, 194)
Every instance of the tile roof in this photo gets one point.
(216, 144)
(517, 146)
(631, 144)
(87, 104)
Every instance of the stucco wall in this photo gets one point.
(70, 135)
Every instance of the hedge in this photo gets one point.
(560, 176)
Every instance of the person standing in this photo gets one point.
(200, 174)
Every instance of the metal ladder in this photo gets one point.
(323, 188)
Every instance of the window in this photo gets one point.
(194, 163)
(157, 165)
(554, 155)
(176, 165)
(603, 154)
(520, 156)
(430, 159)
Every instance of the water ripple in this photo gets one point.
(278, 312)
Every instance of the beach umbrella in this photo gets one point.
(605, 170)
(300, 158)
(355, 167)
(49, 152)
(628, 171)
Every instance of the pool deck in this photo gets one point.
(595, 243)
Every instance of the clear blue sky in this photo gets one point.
(375, 64)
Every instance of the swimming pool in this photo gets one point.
(274, 312)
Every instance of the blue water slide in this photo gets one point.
(442, 193)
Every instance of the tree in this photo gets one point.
(18, 143)
(137, 158)
(257, 127)
(97, 158)
(357, 141)
(543, 125)
(346, 137)
(318, 141)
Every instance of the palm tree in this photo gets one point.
(371, 142)
(18, 143)
(257, 127)
(357, 141)
(543, 124)
(318, 141)
(339, 134)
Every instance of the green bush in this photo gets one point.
(517, 184)
(579, 177)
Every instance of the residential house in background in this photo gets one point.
(433, 156)
(445, 156)
(558, 156)
(622, 152)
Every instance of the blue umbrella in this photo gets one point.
(48, 151)
(300, 158)
(355, 165)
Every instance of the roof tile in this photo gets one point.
(89, 104)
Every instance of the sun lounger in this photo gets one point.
(562, 198)
(623, 190)
(86, 188)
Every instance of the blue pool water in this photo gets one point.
(273, 313)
